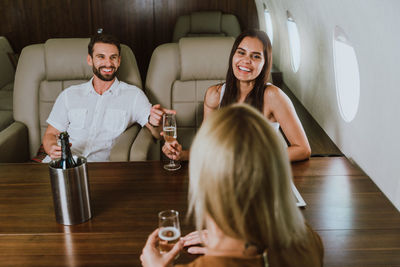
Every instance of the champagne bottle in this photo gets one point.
(66, 161)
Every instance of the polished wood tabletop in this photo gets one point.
(357, 223)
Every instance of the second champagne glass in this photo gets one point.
(170, 135)
(169, 230)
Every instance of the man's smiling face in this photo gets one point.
(105, 61)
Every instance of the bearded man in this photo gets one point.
(95, 113)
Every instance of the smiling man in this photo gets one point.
(95, 113)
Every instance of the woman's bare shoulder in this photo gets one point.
(212, 96)
(271, 89)
(273, 93)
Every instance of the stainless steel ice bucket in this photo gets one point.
(71, 194)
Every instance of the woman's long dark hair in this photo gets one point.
(256, 96)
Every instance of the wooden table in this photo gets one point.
(357, 223)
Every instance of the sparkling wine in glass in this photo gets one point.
(170, 135)
(169, 230)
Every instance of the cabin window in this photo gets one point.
(294, 42)
(347, 75)
(268, 24)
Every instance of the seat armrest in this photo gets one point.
(145, 147)
(14, 145)
(121, 149)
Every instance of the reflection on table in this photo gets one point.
(358, 225)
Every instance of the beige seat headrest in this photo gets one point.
(204, 58)
(205, 22)
(65, 59)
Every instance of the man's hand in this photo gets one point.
(54, 151)
(151, 255)
(50, 142)
(155, 119)
(156, 114)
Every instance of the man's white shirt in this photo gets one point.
(94, 121)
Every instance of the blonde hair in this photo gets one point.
(240, 176)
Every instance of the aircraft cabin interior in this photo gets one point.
(334, 68)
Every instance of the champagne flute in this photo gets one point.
(170, 135)
(169, 230)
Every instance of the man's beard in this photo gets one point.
(104, 78)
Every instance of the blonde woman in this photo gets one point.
(240, 193)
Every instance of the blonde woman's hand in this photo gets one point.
(151, 256)
(195, 242)
(172, 150)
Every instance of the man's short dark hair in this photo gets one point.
(103, 38)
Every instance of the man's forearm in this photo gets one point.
(155, 131)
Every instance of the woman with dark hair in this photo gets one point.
(250, 64)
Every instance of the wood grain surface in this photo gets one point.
(358, 225)
(140, 24)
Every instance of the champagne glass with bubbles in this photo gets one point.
(169, 230)
(170, 135)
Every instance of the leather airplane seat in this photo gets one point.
(179, 75)
(8, 62)
(43, 71)
(206, 23)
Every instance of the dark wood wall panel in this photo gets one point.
(27, 22)
(140, 24)
(130, 21)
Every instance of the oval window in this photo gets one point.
(347, 76)
(294, 42)
(268, 24)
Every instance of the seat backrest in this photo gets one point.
(44, 70)
(8, 61)
(179, 75)
(209, 23)
(7, 68)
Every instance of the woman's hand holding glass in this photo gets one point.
(165, 243)
(172, 150)
(170, 134)
(151, 255)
